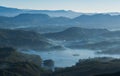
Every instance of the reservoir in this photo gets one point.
(68, 57)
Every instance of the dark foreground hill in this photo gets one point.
(14, 63)
(110, 74)
(20, 69)
(8, 54)
(90, 67)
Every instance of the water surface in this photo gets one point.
(68, 57)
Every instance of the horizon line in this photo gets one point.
(58, 10)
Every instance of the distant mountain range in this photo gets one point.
(33, 21)
(10, 12)
(99, 21)
(40, 19)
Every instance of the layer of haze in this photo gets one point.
(75, 5)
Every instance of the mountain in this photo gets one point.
(23, 39)
(10, 12)
(57, 13)
(14, 63)
(9, 54)
(112, 34)
(23, 20)
(31, 21)
(40, 19)
(43, 21)
(98, 21)
(83, 38)
(76, 33)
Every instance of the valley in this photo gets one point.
(58, 43)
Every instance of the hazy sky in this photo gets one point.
(76, 5)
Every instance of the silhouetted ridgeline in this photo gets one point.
(28, 20)
(23, 39)
(76, 33)
(10, 12)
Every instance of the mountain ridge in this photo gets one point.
(5, 11)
